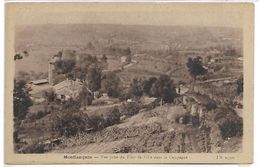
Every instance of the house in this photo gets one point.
(123, 59)
(181, 89)
(68, 89)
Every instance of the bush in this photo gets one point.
(35, 148)
(38, 115)
(130, 108)
(97, 122)
(50, 95)
(112, 117)
(72, 124)
(107, 118)
(68, 120)
(211, 105)
(231, 127)
(230, 124)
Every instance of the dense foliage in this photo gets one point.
(21, 99)
(195, 67)
(110, 84)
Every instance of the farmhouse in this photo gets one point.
(68, 89)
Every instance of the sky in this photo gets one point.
(228, 15)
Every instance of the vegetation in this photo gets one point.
(147, 85)
(50, 95)
(38, 115)
(112, 117)
(94, 77)
(85, 96)
(21, 99)
(110, 84)
(164, 88)
(144, 78)
(136, 88)
(130, 108)
(231, 127)
(195, 67)
(240, 85)
(68, 120)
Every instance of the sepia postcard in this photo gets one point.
(129, 83)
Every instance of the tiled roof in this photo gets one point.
(40, 81)
(68, 87)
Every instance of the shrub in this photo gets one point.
(130, 108)
(15, 137)
(211, 105)
(21, 100)
(112, 117)
(68, 120)
(35, 148)
(231, 127)
(107, 118)
(38, 115)
(97, 122)
(229, 123)
(50, 95)
(71, 124)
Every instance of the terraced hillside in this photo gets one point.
(153, 131)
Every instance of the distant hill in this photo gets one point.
(37, 36)
(43, 41)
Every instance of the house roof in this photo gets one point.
(68, 87)
(38, 82)
(148, 100)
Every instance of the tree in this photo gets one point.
(85, 96)
(240, 84)
(72, 124)
(195, 67)
(21, 99)
(86, 67)
(164, 88)
(50, 95)
(110, 84)
(104, 63)
(147, 84)
(127, 51)
(112, 116)
(94, 77)
(68, 120)
(90, 46)
(18, 56)
(136, 87)
(104, 58)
